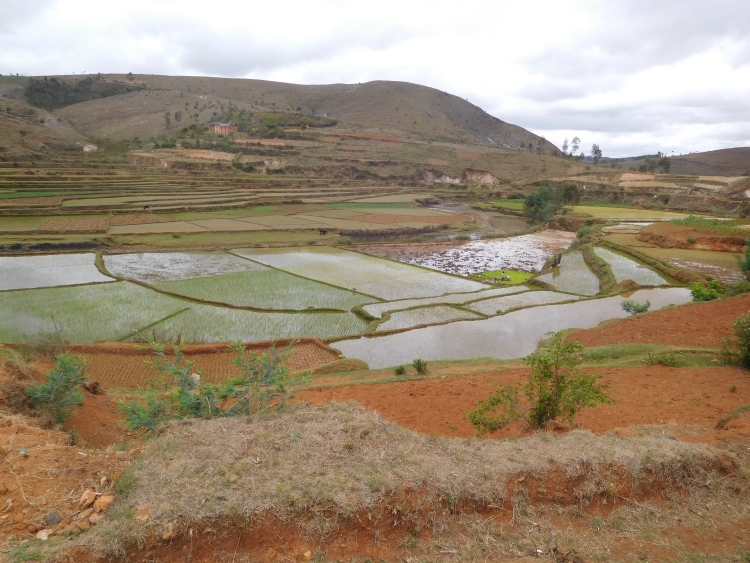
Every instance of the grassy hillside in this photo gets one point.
(380, 107)
(723, 162)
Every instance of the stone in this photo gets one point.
(102, 503)
(83, 525)
(51, 519)
(85, 514)
(141, 513)
(87, 499)
(308, 555)
(169, 534)
(44, 534)
(95, 518)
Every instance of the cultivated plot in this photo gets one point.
(624, 268)
(424, 316)
(152, 267)
(530, 298)
(83, 314)
(206, 323)
(514, 335)
(573, 275)
(265, 288)
(26, 272)
(366, 274)
(625, 213)
(526, 253)
(377, 309)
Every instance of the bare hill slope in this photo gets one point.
(383, 107)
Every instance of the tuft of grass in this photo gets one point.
(731, 415)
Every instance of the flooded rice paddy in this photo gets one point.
(573, 275)
(378, 277)
(27, 272)
(527, 253)
(624, 268)
(498, 305)
(514, 335)
(424, 316)
(377, 309)
(151, 267)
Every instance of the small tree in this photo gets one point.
(635, 307)
(665, 164)
(575, 145)
(167, 119)
(555, 390)
(61, 393)
(596, 153)
(713, 290)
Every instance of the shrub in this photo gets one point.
(663, 358)
(713, 290)
(420, 365)
(738, 288)
(635, 307)
(61, 393)
(400, 370)
(742, 333)
(583, 232)
(263, 386)
(555, 389)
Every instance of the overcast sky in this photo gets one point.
(634, 76)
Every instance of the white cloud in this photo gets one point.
(634, 76)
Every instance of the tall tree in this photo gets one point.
(575, 145)
(596, 153)
(565, 146)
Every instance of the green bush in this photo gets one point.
(738, 288)
(400, 370)
(59, 396)
(713, 290)
(583, 232)
(745, 260)
(742, 333)
(555, 390)
(635, 307)
(420, 365)
(263, 386)
(668, 358)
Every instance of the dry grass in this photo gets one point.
(73, 226)
(332, 463)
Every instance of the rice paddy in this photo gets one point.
(573, 275)
(499, 305)
(152, 267)
(627, 213)
(265, 288)
(378, 277)
(424, 316)
(26, 272)
(514, 335)
(377, 309)
(624, 268)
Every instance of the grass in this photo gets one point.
(516, 276)
(624, 213)
(719, 227)
(243, 212)
(514, 204)
(356, 463)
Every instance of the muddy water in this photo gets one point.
(526, 252)
(514, 335)
(573, 275)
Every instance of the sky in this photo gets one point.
(633, 76)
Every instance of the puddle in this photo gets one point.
(624, 268)
(514, 335)
(502, 304)
(527, 253)
(573, 275)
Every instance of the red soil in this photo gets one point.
(697, 324)
(124, 365)
(649, 395)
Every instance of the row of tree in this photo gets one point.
(571, 150)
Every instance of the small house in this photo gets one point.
(222, 128)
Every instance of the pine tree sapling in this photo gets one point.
(555, 390)
(61, 394)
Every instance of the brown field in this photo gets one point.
(385, 219)
(124, 365)
(73, 226)
(43, 200)
(169, 227)
(136, 219)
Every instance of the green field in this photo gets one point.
(515, 276)
(514, 204)
(266, 289)
(625, 213)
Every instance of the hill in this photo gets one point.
(383, 107)
(723, 162)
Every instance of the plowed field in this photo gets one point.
(124, 365)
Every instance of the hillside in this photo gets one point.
(723, 162)
(384, 107)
